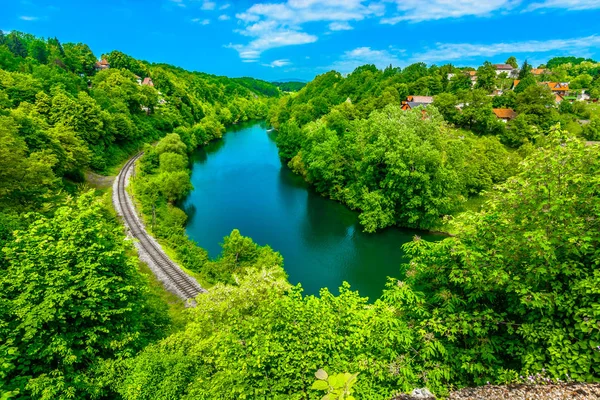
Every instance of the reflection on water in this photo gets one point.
(240, 182)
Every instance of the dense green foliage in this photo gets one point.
(397, 167)
(70, 297)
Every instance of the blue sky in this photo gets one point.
(298, 39)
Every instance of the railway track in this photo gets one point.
(169, 273)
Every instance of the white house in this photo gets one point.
(511, 71)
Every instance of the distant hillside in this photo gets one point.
(290, 86)
(259, 86)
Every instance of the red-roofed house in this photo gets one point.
(560, 88)
(148, 82)
(102, 65)
(420, 99)
(505, 114)
(539, 71)
(416, 101)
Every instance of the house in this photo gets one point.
(102, 65)
(420, 99)
(583, 96)
(511, 71)
(497, 92)
(514, 84)
(504, 114)
(138, 79)
(148, 82)
(539, 71)
(558, 99)
(560, 88)
(416, 101)
(473, 76)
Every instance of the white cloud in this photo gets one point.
(208, 5)
(365, 55)
(277, 63)
(272, 25)
(224, 17)
(462, 51)
(201, 21)
(225, 6)
(419, 10)
(571, 5)
(340, 26)
(28, 18)
(267, 35)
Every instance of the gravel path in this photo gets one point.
(563, 391)
(568, 391)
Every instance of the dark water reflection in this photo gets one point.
(241, 183)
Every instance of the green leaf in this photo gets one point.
(321, 374)
(320, 385)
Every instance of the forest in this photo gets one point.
(512, 292)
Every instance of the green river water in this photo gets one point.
(240, 182)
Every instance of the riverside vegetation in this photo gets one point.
(515, 290)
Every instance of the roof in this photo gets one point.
(504, 113)
(558, 98)
(420, 99)
(147, 81)
(515, 83)
(472, 73)
(413, 104)
(103, 62)
(504, 66)
(556, 86)
(538, 71)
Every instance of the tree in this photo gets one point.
(39, 51)
(486, 77)
(459, 82)
(512, 61)
(26, 180)
(537, 102)
(582, 81)
(446, 104)
(16, 45)
(591, 131)
(70, 297)
(289, 140)
(477, 114)
(171, 144)
(525, 83)
(525, 70)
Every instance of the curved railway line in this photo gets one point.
(169, 273)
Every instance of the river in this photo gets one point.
(240, 182)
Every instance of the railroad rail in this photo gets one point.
(170, 274)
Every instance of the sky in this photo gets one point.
(299, 39)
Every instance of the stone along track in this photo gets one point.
(149, 251)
